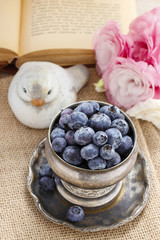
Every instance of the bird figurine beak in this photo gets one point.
(38, 102)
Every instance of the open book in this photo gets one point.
(58, 31)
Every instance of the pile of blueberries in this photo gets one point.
(92, 136)
(74, 213)
(89, 136)
(46, 177)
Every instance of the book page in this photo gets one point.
(50, 24)
(10, 14)
(145, 6)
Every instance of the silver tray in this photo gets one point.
(128, 204)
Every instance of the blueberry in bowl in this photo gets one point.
(96, 135)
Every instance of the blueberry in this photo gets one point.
(59, 144)
(75, 214)
(104, 109)
(121, 125)
(63, 121)
(107, 152)
(66, 111)
(121, 116)
(72, 155)
(86, 108)
(77, 120)
(113, 161)
(90, 151)
(70, 137)
(95, 106)
(99, 122)
(84, 135)
(46, 183)
(45, 170)
(112, 111)
(114, 137)
(100, 138)
(97, 163)
(126, 146)
(57, 132)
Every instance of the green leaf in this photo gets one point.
(99, 87)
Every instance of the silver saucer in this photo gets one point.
(126, 206)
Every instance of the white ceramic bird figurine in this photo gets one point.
(40, 89)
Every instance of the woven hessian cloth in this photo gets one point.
(19, 217)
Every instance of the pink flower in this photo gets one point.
(145, 32)
(109, 43)
(128, 82)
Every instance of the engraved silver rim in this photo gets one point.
(88, 202)
(87, 193)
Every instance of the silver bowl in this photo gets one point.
(86, 187)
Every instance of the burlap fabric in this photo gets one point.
(20, 219)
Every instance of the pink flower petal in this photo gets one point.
(109, 43)
(128, 82)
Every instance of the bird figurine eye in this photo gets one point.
(49, 92)
(24, 90)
